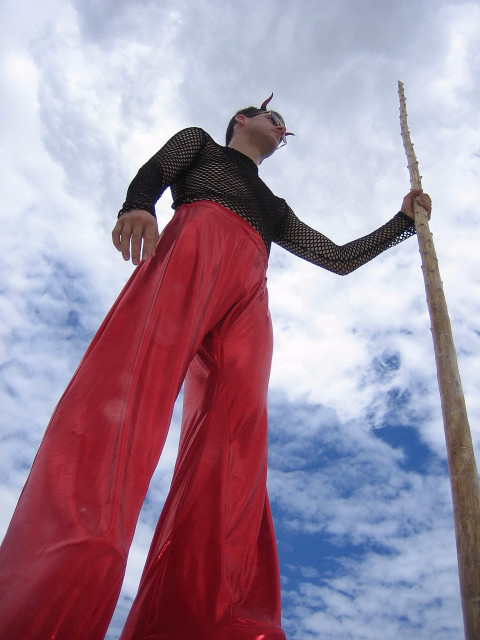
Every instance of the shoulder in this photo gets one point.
(283, 207)
(191, 134)
(194, 138)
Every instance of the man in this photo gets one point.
(195, 310)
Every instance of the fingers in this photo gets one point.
(121, 238)
(135, 235)
(150, 240)
(135, 244)
(425, 202)
(423, 199)
(116, 234)
(126, 234)
(407, 204)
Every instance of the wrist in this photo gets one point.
(407, 217)
(128, 208)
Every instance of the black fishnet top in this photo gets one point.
(197, 168)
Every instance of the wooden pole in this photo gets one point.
(461, 458)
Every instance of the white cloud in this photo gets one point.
(94, 89)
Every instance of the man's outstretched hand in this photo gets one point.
(423, 200)
(136, 234)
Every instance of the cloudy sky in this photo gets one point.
(358, 476)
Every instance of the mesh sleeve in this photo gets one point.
(162, 169)
(305, 242)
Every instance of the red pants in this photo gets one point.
(196, 311)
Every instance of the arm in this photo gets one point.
(305, 242)
(136, 230)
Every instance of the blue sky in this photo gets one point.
(358, 478)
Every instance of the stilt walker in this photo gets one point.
(461, 457)
(195, 310)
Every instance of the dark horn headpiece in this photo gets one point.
(265, 102)
(263, 107)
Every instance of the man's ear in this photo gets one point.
(240, 118)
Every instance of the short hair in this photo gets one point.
(249, 112)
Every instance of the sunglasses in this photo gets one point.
(279, 122)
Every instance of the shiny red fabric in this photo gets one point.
(198, 310)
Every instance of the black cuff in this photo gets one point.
(408, 219)
(128, 207)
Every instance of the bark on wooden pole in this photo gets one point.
(461, 458)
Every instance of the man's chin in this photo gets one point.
(269, 151)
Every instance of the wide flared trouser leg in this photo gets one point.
(63, 557)
(212, 571)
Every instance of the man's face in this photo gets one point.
(267, 131)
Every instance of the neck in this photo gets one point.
(248, 150)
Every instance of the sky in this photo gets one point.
(358, 478)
